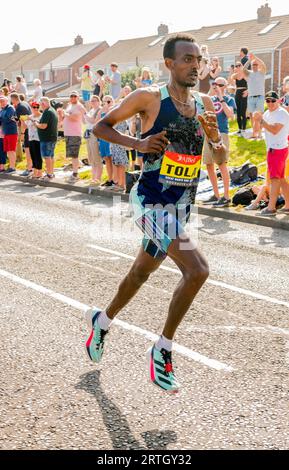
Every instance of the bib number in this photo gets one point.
(180, 169)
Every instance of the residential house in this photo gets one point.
(60, 72)
(267, 36)
(11, 61)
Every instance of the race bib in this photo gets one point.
(179, 169)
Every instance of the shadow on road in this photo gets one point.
(216, 226)
(116, 423)
(278, 238)
(55, 193)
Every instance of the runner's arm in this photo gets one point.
(137, 102)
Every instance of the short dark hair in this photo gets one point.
(100, 72)
(169, 47)
(245, 50)
(15, 96)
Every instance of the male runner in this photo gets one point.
(172, 142)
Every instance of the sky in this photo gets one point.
(61, 21)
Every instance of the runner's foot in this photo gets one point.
(161, 370)
(95, 342)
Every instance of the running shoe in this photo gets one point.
(222, 202)
(95, 342)
(161, 371)
(210, 201)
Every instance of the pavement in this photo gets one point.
(63, 251)
(238, 214)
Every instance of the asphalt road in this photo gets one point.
(64, 251)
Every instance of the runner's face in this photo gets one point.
(184, 68)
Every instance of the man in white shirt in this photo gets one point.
(275, 122)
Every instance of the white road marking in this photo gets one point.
(224, 285)
(235, 329)
(5, 221)
(147, 334)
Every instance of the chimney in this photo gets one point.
(264, 13)
(16, 47)
(163, 30)
(78, 40)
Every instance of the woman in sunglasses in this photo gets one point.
(34, 143)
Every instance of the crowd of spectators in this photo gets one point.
(36, 123)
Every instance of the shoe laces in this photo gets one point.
(167, 356)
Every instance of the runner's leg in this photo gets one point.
(195, 271)
(139, 273)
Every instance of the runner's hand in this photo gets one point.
(208, 121)
(153, 144)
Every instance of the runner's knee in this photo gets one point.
(138, 274)
(197, 275)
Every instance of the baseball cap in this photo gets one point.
(272, 94)
(86, 67)
(3, 97)
(74, 93)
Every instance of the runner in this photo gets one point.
(172, 142)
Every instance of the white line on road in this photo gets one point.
(147, 334)
(247, 292)
(5, 221)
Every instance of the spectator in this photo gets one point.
(231, 71)
(9, 130)
(60, 114)
(3, 155)
(104, 147)
(47, 131)
(22, 111)
(205, 52)
(262, 193)
(241, 97)
(275, 122)
(256, 89)
(204, 76)
(8, 84)
(94, 157)
(86, 85)
(125, 91)
(215, 69)
(5, 91)
(224, 108)
(114, 80)
(73, 118)
(145, 79)
(120, 159)
(244, 55)
(34, 143)
(37, 92)
(21, 87)
(285, 98)
(100, 84)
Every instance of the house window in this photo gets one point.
(269, 27)
(227, 34)
(214, 36)
(153, 43)
(46, 75)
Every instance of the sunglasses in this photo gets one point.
(73, 96)
(106, 102)
(269, 100)
(238, 66)
(35, 107)
(218, 84)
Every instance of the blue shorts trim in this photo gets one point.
(47, 149)
(159, 225)
(86, 95)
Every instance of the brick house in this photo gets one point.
(11, 61)
(266, 36)
(60, 72)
